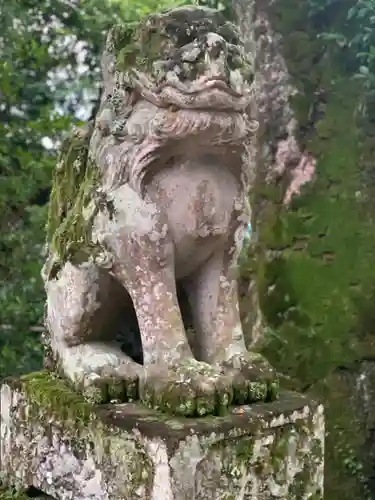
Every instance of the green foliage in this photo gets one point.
(315, 271)
(41, 85)
(312, 294)
(135, 10)
(355, 36)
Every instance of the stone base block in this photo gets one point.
(54, 441)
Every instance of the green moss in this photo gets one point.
(140, 44)
(52, 402)
(300, 484)
(174, 396)
(314, 261)
(244, 450)
(74, 184)
(275, 463)
(317, 496)
(147, 44)
(48, 393)
(11, 493)
(279, 450)
(315, 286)
(323, 232)
(135, 46)
(346, 465)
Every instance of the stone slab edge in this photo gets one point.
(118, 452)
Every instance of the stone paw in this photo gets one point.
(100, 371)
(192, 388)
(111, 386)
(253, 378)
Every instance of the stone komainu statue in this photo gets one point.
(148, 203)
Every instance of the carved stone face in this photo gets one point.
(190, 57)
(177, 84)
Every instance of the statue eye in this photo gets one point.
(190, 53)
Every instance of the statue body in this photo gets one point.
(158, 206)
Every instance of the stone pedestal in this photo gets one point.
(51, 439)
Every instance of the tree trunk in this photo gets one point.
(281, 167)
(309, 275)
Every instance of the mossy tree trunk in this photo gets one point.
(274, 91)
(313, 260)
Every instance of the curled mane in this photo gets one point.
(160, 88)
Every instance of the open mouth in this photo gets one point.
(202, 84)
(206, 92)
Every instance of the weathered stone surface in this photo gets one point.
(151, 200)
(69, 449)
(283, 165)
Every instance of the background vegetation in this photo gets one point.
(315, 272)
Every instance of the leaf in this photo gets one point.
(364, 70)
(352, 12)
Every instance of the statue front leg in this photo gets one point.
(79, 322)
(138, 237)
(152, 288)
(213, 295)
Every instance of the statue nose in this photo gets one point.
(216, 46)
(216, 56)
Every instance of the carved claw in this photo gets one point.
(111, 386)
(100, 372)
(253, 378)
(192, 388)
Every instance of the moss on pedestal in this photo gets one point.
(180, 395)
(241, 449)
(9, 494)
(48, 392)
(270, 460)
(57, 410)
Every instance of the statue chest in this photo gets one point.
(199, 200)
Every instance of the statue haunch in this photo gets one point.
(147, 217)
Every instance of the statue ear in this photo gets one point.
(104, 121)
(108, 67)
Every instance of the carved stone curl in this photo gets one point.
(148, 213)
